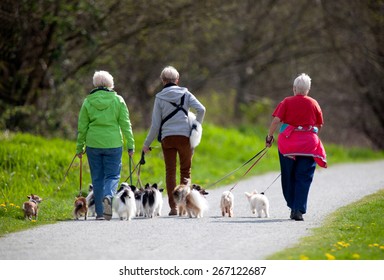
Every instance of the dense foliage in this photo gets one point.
(240, 57)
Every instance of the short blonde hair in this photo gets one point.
(302, 83)
(169, 75)
(103, 79)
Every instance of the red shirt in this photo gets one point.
(299, 110)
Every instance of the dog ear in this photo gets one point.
(154, 185)
(133, 188)
(161, 190)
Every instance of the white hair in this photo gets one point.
(169, 75)
(103, 79)
(302, 83)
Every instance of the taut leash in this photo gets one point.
(65, 175)
(230, 173)
(271, 183)
(262, 152)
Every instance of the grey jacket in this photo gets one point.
(178, 124)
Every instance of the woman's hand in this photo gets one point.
(269, 140)
(146, 149)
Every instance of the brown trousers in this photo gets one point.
(173, 146)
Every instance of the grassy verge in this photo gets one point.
(32, 164)
(354, 232)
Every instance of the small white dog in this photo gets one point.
(124, 202)
(227, 203)
(259, 203)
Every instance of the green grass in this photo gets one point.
(354, 232)
(32, 164)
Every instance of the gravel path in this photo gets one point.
(213, 237)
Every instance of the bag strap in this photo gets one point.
(179, 107)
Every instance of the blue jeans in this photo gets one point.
(105, 166)
(296, 178)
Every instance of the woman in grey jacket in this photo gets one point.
(171, 125)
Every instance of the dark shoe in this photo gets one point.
(297, 216)
(173, 212)
(107, 208)
(100, 218)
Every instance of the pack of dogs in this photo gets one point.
(147, 202)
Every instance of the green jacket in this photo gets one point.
(103, 120)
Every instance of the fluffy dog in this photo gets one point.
(91, 201)
(31, 207)
(190, 200)
(81, 208)
(196, 130)
(227, 203)
(124, 202)
(259, 203)
(152, 201)
(138, 200)
(180, 194)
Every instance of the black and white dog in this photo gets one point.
(124, 202)
(152, 201)
(91, 202)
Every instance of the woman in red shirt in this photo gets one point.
(299, 146)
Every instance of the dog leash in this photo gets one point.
(263, 152)
(271, 183)
(81, 176)
(65, 175)
(130, 168)
(131, 171)
(244, 164)
(141, 162)
(63, 181)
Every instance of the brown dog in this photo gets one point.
(31, 207)
(81, 208)
(190, 200)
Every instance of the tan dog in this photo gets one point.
(31, 207)
(180, 196)
(227, 203)
(190, 200)
(81, 208)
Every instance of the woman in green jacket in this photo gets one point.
(103, 121)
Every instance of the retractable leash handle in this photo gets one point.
(142, 160)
